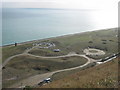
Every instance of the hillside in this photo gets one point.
(102, 76)
(29, 63)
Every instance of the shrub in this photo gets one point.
(90, 42)
(27, 88)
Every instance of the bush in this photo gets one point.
(90, 42)
(104, 40)
(27, 88)
(104, 43)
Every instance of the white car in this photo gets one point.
(99, 62)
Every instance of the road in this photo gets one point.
(34, 80)
(10, 58)
(38, 78)
(27, 54)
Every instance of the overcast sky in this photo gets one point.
(71, 4)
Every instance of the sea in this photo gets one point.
(27, 24)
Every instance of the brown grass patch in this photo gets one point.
(102, 76)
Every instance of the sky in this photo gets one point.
(69, 4)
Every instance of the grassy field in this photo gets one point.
(8, 51)
(24, 66)
(48, 52)
(64, 74)
(102, 39)
(102, 76)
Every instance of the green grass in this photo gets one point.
(8, 51)
(70, 43)
(48, 52)
(105, 40)
(24, 66)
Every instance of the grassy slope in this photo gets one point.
(58, 76)
(103, 39)
(102, 76)
(23, 66)
(69, 43)
(8, 51)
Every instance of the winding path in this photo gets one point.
(27, 54)
(34, 80)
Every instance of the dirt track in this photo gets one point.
(34, 80)
(98, 52)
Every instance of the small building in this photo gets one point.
(56, 50)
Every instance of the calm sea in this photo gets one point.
(21, 24)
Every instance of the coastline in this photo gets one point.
(69, 45)
(64, 35)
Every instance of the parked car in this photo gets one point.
(44, 81)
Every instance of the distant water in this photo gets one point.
(20, 25)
